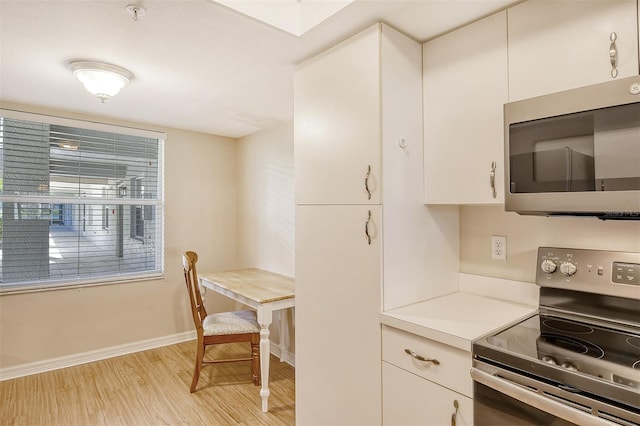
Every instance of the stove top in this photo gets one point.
(601, 353)
(585, 337)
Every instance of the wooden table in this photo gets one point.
(265, 292)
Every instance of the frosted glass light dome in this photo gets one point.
(100, 79)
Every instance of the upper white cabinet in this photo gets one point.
(465, 87)
(560, 45)
(337, 124)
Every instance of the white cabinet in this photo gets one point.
(465, 87)
(417, 392)
(337, 307)
(411, 400)
(337, 130)
(559, 45)
(358, 105)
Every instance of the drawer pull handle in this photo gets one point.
(421, 358)
(455, 413)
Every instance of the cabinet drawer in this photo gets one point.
(451, 372)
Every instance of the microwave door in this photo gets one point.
(575, 152)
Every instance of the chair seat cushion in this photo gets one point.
(236, 322)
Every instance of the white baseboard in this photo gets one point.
(97, 355)
(91, 356)
(289, 358)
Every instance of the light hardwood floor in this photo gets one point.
(150, 388)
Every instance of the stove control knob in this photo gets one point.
(569, 366)
(548, 266)
(549, 360)
(568, 268)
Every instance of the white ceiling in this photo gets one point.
(197, 64)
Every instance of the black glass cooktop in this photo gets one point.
(603, 354)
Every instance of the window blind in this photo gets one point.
(78, 205)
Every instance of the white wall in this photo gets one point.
(266, 205)
(229, 200)
(266, 208)
(200, 214)
(526, 233)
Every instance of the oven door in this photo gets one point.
(502, 397)
(492, 407)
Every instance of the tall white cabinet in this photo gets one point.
(365, 241)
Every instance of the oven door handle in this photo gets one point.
(536, 400)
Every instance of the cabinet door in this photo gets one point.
(559, 45)
(337, 308)
(337, 123)
(465, 87)
(411, 400)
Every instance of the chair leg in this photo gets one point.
(196, 371)
(255, 360)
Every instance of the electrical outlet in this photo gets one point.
(498, 247)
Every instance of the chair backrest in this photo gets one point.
(189, 259)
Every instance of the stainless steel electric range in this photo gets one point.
(577, 360)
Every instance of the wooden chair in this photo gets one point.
(219, 328)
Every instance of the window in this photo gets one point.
(55, 175)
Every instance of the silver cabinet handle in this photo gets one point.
(366, 228)
(492, 180)
(455, 413)
(613, 55)
(366, 182)
(421, 358)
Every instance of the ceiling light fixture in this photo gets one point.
(100, 79)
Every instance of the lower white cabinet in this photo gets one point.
(417, 391)
(338, 252)
(411, 400)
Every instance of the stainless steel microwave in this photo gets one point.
(575, 152)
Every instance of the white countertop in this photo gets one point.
(456, 319)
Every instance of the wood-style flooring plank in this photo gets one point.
(150, 388)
